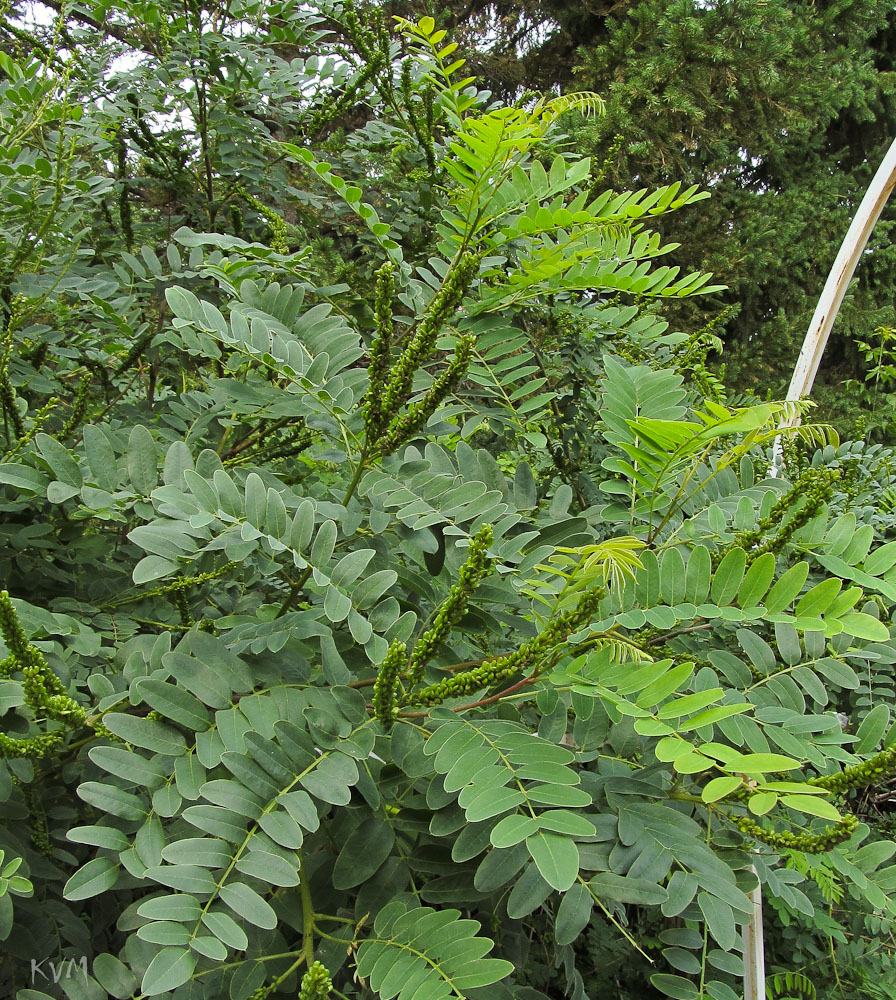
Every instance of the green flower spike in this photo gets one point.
(477, 566)
(385, 700)
(316, 983)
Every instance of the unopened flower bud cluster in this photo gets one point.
(44, 693)
(476, 566)
(492, 672)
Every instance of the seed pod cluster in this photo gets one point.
(691, 356)
(8, 405)
(136, 351)
(79, 407)
(335, 106)
(7, 393)
(125, 215)
(179, 599)
(164, 39)
(40, 834)
(34, 352)
(423, 340)
(298, 439)
(366, 31)
(103, 732)
(476, 566)
(600, 173)
(369, 39)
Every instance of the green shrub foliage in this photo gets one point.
(393, 606)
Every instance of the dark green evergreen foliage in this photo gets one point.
(393, 606)
(785, 110)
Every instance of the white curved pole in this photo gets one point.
(804, 373)
(754, 950)
(853, 245)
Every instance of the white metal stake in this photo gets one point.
(754, 949)
(853, 245)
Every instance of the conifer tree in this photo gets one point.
(782, 109)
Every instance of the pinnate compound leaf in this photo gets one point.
(164, 932)
(566, 822)
(187, 878)
(864, 626)
(129, 765)
(209, 947)
(872, 729)
(76, 985)
(761, 763)
(727, 579)
(226, 929)
(23, 477)
(112, 800)
(757, 581)
(146, 733)
(99, 836)
(762, 802)
(838, 672)
(785, 589)
(513, 830)
(719, 918)
(500, 866)
(153, 568)
(177, 906)
(482, 757)
(269, 868)
(426, 952)
(174, 703)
